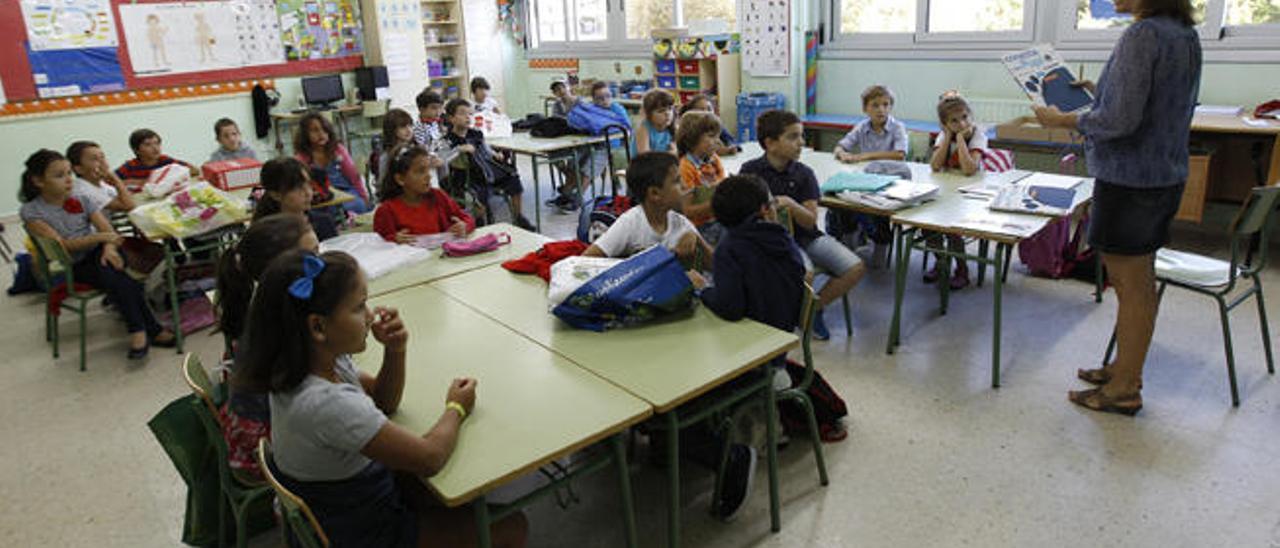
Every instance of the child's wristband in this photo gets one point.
(462, 413)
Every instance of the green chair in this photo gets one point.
(800, 392)
(241, 495)
(1217, 279)
(51, 256)
(297, 516)
(788, 222)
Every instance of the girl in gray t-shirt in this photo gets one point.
(52, 210)
(332, 442)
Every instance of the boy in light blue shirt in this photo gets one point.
(880, 136)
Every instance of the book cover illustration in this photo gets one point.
(1044, 77)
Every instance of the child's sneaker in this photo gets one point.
(820, 331)
(960, 279)
(523, 222)
(739, 474)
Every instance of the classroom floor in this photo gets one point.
(935, 457)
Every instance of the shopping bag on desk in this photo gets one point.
(642, 288)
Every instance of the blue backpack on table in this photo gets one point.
(593, 118)
(648, 285)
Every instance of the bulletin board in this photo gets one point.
(95, 45)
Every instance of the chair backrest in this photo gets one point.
(1253, 220)
(50, 251)
(198, 379)
(808, 306)
(297, 514)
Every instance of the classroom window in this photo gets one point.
(976, 15)
(645, 15)
(1253, 12)
(1101, 14)
(726, 10)
(551, 20)
(591, 18)
(876, 16)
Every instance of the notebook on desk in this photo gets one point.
(1037, 200)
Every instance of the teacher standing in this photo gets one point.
(1136, 139)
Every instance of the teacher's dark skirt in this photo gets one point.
(1132, 221)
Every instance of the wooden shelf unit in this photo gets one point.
(444, 38)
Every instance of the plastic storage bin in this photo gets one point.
(688, 67)
(750, 107)
(690, 82)
(665, 66)
(667, 82)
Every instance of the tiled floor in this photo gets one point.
(935, 456)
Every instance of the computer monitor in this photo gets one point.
(322, 90)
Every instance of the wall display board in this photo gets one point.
(319, 29)
(766, 37)
(169, 38)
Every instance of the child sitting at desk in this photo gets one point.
(410, 206)
(148, 157)
(316, 145)
(287, 188)
(728, 146)
(657, 129)
(245, 415)
(653, 181)
(796, 188)
(759, 271)
(565, 99)
(959, 146)
(52, 209)
(484, 169)
(480, 96)
(230, 147)
(95, 179)
(700, 170)
(333, 445)
(397, 130)
(879, 137)
(429, 126)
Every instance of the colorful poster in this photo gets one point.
(174, 38)
(69, 24)
(766, 37)
(318, 29)
(67, 72)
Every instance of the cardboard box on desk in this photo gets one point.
(1026, 128)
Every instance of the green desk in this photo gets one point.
(532, 406)
(551, 150)
(665, 364)
(953, 213)
(438, 266)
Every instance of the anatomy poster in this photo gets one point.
(172, 38)
(317, 29)
(69, 24)
(766, 37)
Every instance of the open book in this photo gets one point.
(1044, 77)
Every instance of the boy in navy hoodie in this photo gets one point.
(757, 268)
(795, 187)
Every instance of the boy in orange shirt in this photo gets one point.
(697, 137)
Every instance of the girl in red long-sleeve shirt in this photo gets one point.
(410, 206)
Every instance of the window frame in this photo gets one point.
(614, 45)
(1045, 21)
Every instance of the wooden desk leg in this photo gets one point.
(624, 486)
(997, 283)
(673, 479)
(902, 254)
(481, 508)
